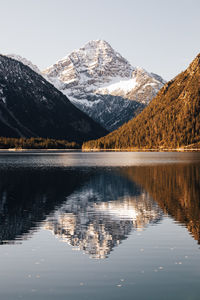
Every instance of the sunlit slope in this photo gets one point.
(171, 120)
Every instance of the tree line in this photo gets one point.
(36, 143)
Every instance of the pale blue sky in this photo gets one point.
(161, 36)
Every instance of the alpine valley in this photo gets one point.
(103, 84)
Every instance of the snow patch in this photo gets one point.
(3, 99)
(123, 85)
(84, 102)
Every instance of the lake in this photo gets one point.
(104, 225)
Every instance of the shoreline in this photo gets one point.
(144, 150)
(18, 150)
(10, 150)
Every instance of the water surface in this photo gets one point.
(99, 225)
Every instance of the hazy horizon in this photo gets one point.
(157, 35)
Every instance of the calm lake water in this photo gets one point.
(99, 226)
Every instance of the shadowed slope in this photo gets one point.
(31, 107)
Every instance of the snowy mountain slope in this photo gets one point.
(95, 71)
(30, 107)
(26, 62)
(110, 111)
(141, 87)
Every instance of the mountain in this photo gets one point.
(31, 107)
(100, 82)
(171, 120)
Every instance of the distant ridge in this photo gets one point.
(171, 120)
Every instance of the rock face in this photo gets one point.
(171, 120)
(30, 107)
(100, 82)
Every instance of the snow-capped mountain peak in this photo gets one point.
(102, 83)
(89, 67)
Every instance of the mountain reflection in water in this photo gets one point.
(95, 209)
(102, 213)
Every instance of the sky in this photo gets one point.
(162, 36)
